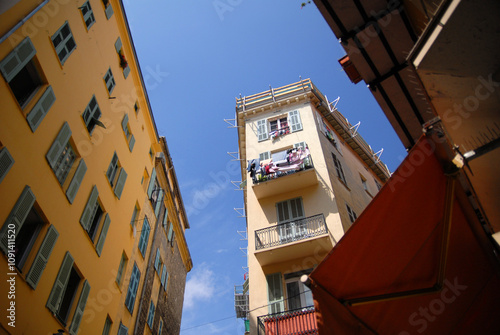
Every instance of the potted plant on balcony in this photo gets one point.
(123, 61)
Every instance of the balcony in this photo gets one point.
(290, 240)
(289, 170)
(297, 322)
(241, 301)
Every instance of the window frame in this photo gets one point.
(339, 169)
(109, 81)
(62, 45)
(351, 213)
(89, 14)
(90, 119)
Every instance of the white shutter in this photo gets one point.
(301, 145)
(17, 59)
(264, 155)
(60, 283)
(295, 122)
(80, 307)
(262, 132)
(131, 143)
(109, 11)
(41, 108)
(275, 293)
(76, 181)
(41, 258)
(6, 162)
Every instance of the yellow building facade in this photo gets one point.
(79, 151)
(308, 174)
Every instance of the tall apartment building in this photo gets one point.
(308, 175)
(92, 222)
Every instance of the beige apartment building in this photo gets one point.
(307, 175)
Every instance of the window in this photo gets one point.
(132, 288)
(265, 155)
(121, 269)
(338, 167)
(92, 217)
(107, 326)
(289, 212)
(107, 9)
(164, 277)
(63, 292)
(61, 157)
(122, 330)
(278, 124)
(158, 262)
(91, 115)
(6, 162)
(116, 180)
(151, 153)
(128, 134)
(25, 219)
(64, 42)
(170, 235)
(378, 184)
(352, 214)
(136, 107)
(151, 314)
(160, 327)
(143, 240)
(109, 81)
(275, 293)
(298, 295)
(135, 213)
(88, 15)
(121, 57)
(329, 133)
(363, 182)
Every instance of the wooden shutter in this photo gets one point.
(58, 145)
(6, 162)
(41, 108)
(41, 258)
(275, 293)
(80, 307)
(120, 183)
(157, 259)
(62, 278)
(76, 181)
(109, 11)
(262, 130)
(89, 209)
(131, 143)
(296, 209)
(151, 182)
(158, 203)
(17, 59)
(17, 216)
(102, 236)
(124, 123)
(118, 44)
(295, 122)
(283, 212)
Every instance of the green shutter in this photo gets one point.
(118, 44)
(124, 122)
(80, 307)
(41, 258)
(262, 130)
(275, 293)
(109, 11)
(151, 182)
(60, 283)
(120, 183)
(102, 236)
(295, 122)
(143, 240)
(131, 143)
(6, 162)
(89, 207)
(17, 216)
(17, 59)
(158, 202)
(41, 108)
(76, 181)
(58, 145)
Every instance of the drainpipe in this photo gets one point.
(20, 23)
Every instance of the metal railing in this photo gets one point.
(292, 231)
(299, 321)
(241, 302)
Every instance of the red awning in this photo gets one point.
(415, 262)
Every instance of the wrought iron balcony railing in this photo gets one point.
(300, 321)
(292, 231)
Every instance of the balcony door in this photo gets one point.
(291, 227)
(298, 295)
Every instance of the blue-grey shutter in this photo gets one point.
(163, 275)
(275, 293)
(159, 201)
(151, 182)
(120, 183)
(165, 282)
(41, 258)
(17, 216)
(76, 181)
(17, 59)
(58, 145)
(102, 236)
(124, 122)
(89, 208)
(295, 122)
(41, 108)
(126, 72)
(109, 11)
(262, 132)
(143, 240)
(6, 162)
(132, 288)
(118, 44)
(60, 283)
(122, 330)
(80, 307)
(131, 143)
(157, 259)
(170, 231)
(282, 211)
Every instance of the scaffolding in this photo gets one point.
(241, 303)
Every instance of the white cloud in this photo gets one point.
(200, 287)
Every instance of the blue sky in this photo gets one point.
(196, 57)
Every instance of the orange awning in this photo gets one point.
(415, 262)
